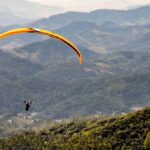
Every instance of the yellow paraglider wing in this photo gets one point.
(44, 32)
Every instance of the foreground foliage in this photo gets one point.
(125, 132)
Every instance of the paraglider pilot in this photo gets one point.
(27, 105)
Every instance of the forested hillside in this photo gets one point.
(129, 131)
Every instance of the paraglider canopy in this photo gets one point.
(44, 32)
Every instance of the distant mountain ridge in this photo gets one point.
(100, 38)
(98, 30)
(133, 16)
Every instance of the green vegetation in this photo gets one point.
(113, 78)
(147, 141)
(62, 99)
(62, 89)
(129, 131)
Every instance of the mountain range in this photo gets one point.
(114, 76)
(99, 34)
(122, 17)
(60, 87)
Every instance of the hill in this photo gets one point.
(133, 16)
(129, 131)
(48, 73)
(107, 37)
(64, 99)
(92, 29)
(87, 96)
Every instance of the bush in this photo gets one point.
(147, 141)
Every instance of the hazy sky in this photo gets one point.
(86, 5)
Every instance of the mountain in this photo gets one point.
(15, 66)
(113, 79)
(60, 20)
(130, 16)
(130, 131)
(107, 37)
(85, 30)
(93, 36)
(51, 52)
(125, 61)
(105, 94)
(114, 75)
(47, 51)
(20, 12)
(48, 70)
(134, 16)
(140, 43)
(63, 99)
(49, 73)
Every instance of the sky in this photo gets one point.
(88, 5)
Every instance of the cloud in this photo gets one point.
(87, 5)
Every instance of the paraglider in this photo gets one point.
(44, 32)
(56, 36)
